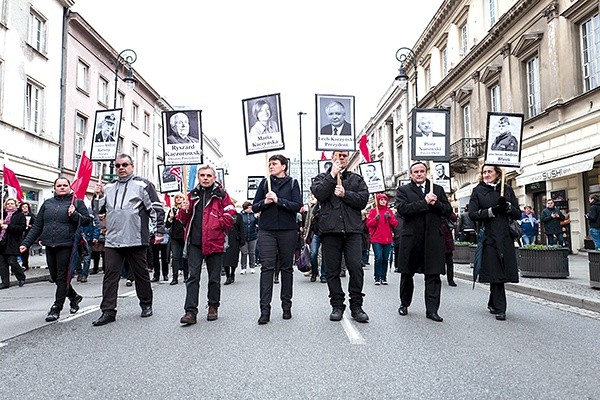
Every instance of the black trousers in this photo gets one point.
(6, 262)
(433, 290)
(58, 265)
(449, 267)
(136, 259)
(497, 298)
(276, 252)
(192, 283)
(349, 247)
(160, 251)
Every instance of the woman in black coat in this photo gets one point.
(493, 214)
(56, 225)
(30, 220)
(12, 227)
(235, 238)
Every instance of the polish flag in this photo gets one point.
(323, 156)
(364, 148)
(176, 172)
(168, 200)
(83, 176)
(12, 184)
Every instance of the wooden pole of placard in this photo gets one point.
(431, 177)
(185, 173)
(502, 181)
(268, 173)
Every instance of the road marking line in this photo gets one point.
(3, 344)
(353, 334)
(80, 313)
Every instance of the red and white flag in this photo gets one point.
(323, 156)
(364, 148)
(176, 172)
(12, 184)
(82, 178)
(168, 200)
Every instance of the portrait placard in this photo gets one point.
(182, 137)
(221, 176)
(441, 175)
(372, 173)
(403, 182)
(262, 124)
(253, 182)
(504, 139)
(169, 178)
(107, 125)
(430, 135)
(335, 122)
(324, 165)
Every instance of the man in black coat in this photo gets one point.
(342, 195)
(422, 245)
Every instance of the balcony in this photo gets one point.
(465, 153)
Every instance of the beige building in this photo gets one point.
(536, 58)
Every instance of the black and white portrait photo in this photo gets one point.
(106, 135)
(372, 173)
(253, 182)
(169, 177)
(431, 135)
(335, 122)
(262, 124)
(504, 136)
(441, 175)
(182, 137)
(324, 165)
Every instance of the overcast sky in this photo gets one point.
(209, 55)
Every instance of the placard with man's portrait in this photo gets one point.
(253, 182)
(335, 122)
(169, 177)
(107, 125)
(182, 137)
(325, 165)
(262, 124)
(372, 173)
(430, 135)
(504, 139)
(441, 175)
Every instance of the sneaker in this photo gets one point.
(377, 282)
(74, 306)
(384, 282)
(243, 271)
(252, 270)
(128, 283)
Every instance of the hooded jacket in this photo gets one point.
(381, 230)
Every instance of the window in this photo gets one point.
(428, 84)
(159, 139)
(102, 91)
(495, 103)
(134, 153)
(464, 40)
(36, 36)
(135, 110)
(121, 103)
(466, 113)
(533, 86)
(590, 49)
(120, 145)
(83, 71)
(444, 60)
(491, 12)
(145, 164)
(33, 107)
(146, 122)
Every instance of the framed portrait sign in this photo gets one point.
(372, 173)
(253, 182)
(324, 165)
(430, 135)
(107, 125)
(335, 122)
(504, 139)
(221, 176)
(169, 178)
(404, 182)
(262, 124)
(182, 137)
(441, 175)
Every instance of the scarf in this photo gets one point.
(9, 214)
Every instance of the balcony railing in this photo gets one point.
(465, 153)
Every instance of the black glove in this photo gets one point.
(377, 217)
(387, 214)
(496, 210)
(502, 202)
(507, 208)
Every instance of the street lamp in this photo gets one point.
(405, 55)
(300, 114)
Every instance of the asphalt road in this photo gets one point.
(543, 351)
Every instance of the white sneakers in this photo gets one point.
(251, 270)
(243, 271)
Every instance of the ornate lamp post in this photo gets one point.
(406, 56)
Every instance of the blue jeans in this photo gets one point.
(365, 257)
(554, 238)
(528, 239)
(595, 234)
(314, 259)
(248, 252)
(382, 257)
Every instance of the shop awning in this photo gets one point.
(465, 191)
(575, 164)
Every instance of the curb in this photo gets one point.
(546, 294)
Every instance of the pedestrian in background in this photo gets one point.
(235, 240)
(529, 225)
(248, 250)
(498, 264)
(551, 218)
(177, 229)
(98, 245)
(89, 233)
(594, 219)
(313, 238)
(12, 227)
(55, 226)
(277, 234)
(30, 220)
(381, 222)
(466, 227)
(447, 227)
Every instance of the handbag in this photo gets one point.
(514, 229)
(303, 262)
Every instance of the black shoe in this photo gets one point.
(313, 278)
(492, 310)
(165, 278)
(434, 317)
(75, 304)
(336, 314)
(21, 283)
(264, 318)
(276, 280)
(155, 279)
(403, 310)
(501, 316)
(146, 311)
(174, 282)
(93, 272)
(227, 281)
(287, 314)
(359, 315)
(342, 274)
(4, 286)
(323, 280)
(104, 319)
(53, 314)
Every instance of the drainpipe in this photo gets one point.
(63, 96)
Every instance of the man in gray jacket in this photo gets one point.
(130, 203)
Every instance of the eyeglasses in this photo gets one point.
(124, 165)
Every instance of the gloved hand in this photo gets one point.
(377, 217)
(502, 202)
(496, 210)
(507, 208)
(387, 214)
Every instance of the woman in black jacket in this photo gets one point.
(277, 233)
(56, 225)
(236, 239)
(493, 213)
(12, 227)
(30, 220)
(177, 233)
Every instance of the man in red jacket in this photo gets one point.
(207, 217)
